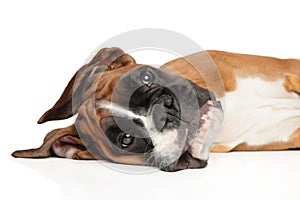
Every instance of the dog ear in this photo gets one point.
(63, 142)
(70, 100)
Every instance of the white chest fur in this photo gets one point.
(259, 112)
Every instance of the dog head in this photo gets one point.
(137, 114)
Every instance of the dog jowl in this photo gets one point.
(132, 114)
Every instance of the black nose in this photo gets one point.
(159, 115)
(164, 110)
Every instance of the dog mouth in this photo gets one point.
(211, 120)
(198, 144)
(196, 139)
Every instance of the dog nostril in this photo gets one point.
(138, 122)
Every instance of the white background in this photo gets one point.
(43, 43)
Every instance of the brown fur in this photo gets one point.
(111, 63)
(233, 65)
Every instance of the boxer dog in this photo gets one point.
(169, 117)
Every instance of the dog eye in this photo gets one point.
(147, 78)
(126, 140)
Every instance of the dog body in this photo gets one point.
(261, 101)
(259, 98)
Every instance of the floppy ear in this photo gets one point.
(63, 142)
(70, 100)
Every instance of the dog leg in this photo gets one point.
(292, 83)
(295, 139)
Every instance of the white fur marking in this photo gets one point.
(259, 112)
(119, 111)
(165, 145)
(164, 142)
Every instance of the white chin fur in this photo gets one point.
(166, 145)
